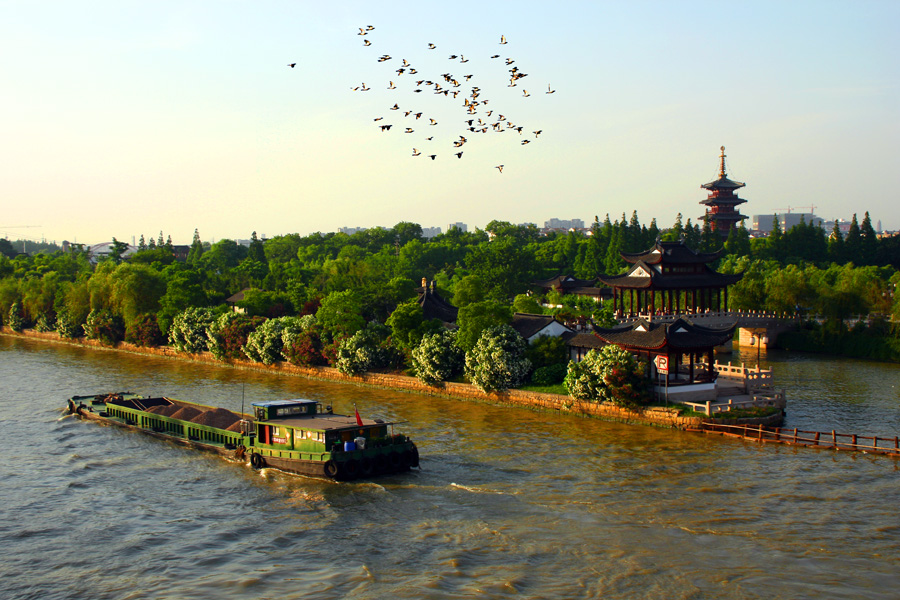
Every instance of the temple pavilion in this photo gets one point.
(687, 351)
(669, 278)
(722, 201)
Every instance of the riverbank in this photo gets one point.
(655, 416)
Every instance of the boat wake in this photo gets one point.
(477, 490)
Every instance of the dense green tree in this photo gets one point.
(474, 318)
(341, 313)
(438, 358)
(611, 374)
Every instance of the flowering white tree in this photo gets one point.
(611, 374)
(497, 362)
(437, 358)
(264, 345)
(188, 332)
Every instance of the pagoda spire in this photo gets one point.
(722, 163)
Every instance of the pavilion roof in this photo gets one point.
(434, 306)
(671, 253)
(723, 183)
(681, 335)
(564, 283)
(645, 276)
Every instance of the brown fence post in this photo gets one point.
(778, 433)
(817, 438)
(853, 440)
(833, 439)
(795, 435)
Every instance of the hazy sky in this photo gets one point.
(121, 118)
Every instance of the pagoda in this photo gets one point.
(722, 201)
(669, 278)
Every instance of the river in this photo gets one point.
(509, 503)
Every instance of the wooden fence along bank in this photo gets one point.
(763, 430)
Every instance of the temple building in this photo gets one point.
(722, 201)
(566, 284)
(434, 306)
(669, 278)
(679, 353)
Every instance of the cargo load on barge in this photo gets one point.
(297, 436)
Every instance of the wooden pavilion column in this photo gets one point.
(652, 302)
(694, 300)
(726, 300)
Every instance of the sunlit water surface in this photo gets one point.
(509, 503)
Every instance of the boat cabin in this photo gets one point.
(306, 426)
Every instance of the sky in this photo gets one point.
(127, 118)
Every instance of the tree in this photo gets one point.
(497, 361)
(868, 242)
(341, 313)
(135, 290)
(470, 289)
(196, 251)
(474, 318)
(853, 243)
(611, 374)
(437, 358)
(524, 303)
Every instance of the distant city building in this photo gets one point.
(351, 230)
(563, 224)
(765, 223)
(461, 226)
(430, 232)
(247, 243)
(722, 201)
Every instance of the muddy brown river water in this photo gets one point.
(509, 503)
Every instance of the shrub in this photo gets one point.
(497, 362)
(144, 331)
(16, 321)
(229, 332)
(366, 350)
(610, 375)
(437, 358)
(45, 322)
(65, 325)
(188, 332)
(265, 343)
(549, 375)
(304, 348)
(104, 326)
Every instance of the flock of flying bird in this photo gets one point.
(479, 118)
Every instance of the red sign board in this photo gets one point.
(662, 364)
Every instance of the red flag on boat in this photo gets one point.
(358, 420)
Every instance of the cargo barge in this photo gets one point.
(296, 436)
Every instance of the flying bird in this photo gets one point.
(525, 93)
(416, 152)
(502, 39)
(432, 156)
(367, 43)
(499, 168)
(385, 127)
(292, 65)
(395, 107)
(391, 86)
(537, 133)
(459, 155)
(431, 46)
(549, 91)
